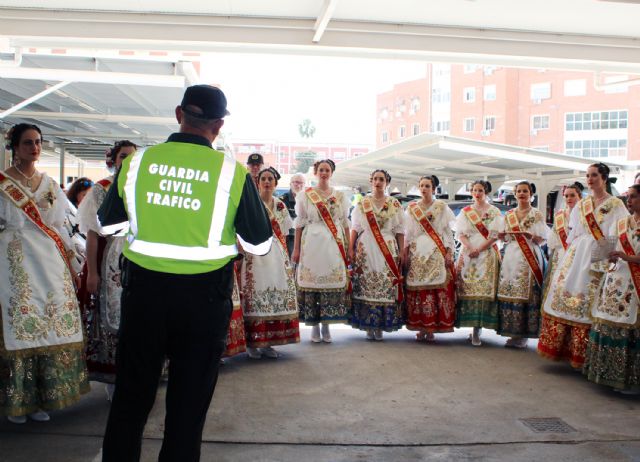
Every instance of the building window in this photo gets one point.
(385, 137)
(415, 129)
(415, 105)
(469, 125)
(470, 68)
(339, 155)
(489, 92)
(440, 95)
(605, 120)
(469, 94)
(441, 126)
(490, 123)
(489, 70)
(575, 87)
(384, 113)
(540, 91)
(402, 131)
(540, 122)
(596, 148)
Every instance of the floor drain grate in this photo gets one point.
(548, 425)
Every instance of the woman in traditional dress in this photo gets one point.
(558, 237)
(522, 269)
(428, 257)
(320, 250)
(478, 265)
(377, 237)
(78, 191)
(100, 294)
(557, 343)
(75, 195)
(577, 280)
(42, 364)
(613, 351)
(236, 339)
(268, 293)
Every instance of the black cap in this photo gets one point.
(209, 99)
(255, 158)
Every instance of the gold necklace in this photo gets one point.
(324, 192)
(599, 201)
(28, 178)
(379, 202)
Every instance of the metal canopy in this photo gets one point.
(457, 161)
(83, 104)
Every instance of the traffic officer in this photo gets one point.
(185, 203)
(255, 163)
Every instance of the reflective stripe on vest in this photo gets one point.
(214, 249)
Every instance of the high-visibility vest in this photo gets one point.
(181, 199)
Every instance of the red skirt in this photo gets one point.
(260, 334)
(431, 310)
(236, 342)
(563, 340)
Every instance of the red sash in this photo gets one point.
(560, 225)
(422, 219)
(512, 221)
(587, 207)
(17, 196)
(367, 207)
(277, 231)
(474, 218)
(634, 268)
(315, 198)
(105, 183)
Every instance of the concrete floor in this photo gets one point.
(354, 400)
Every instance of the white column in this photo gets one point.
(62, 178)
(5, 154)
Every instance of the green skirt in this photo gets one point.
(477, 313)
(613, 356)
(48, 381)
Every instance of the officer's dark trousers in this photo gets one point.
(184, 318)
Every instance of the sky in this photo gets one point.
(269, 95)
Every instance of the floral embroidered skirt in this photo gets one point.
(371, 315)
(477, 313)
(260, 334)
(101, 344)
(613, 356)
(236, 342)
(47, 381)
(561, 340)
(431, 310)
(327, 306)
(520, 319)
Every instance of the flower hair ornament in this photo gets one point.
(108, 159)
(7, 139)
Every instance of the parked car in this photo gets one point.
(457, 206)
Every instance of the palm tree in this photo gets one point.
(306, 129)
(305, 159)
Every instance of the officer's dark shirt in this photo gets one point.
(251, 222)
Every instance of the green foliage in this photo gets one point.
(306, 129)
